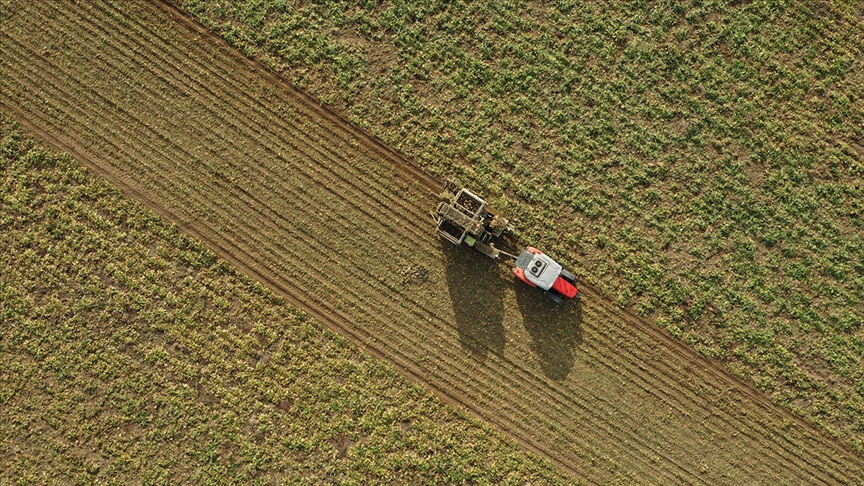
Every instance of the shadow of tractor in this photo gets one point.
(555, 330)
(477, 294)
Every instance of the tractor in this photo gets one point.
(463, 217)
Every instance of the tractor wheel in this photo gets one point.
(553, 296)
(568, 276)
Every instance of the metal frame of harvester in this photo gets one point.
(464, 218)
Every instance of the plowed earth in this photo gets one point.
(338, 224)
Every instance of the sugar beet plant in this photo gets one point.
(700, 161)
(131, 354)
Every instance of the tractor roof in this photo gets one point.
(542, 271)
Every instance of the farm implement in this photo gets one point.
(463, 217)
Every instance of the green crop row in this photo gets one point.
(131, 354)
(700, 161)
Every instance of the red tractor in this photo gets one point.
(537, 269)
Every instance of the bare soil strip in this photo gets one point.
(338, 224)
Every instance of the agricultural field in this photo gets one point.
(131, 354)
(701, 162)
(337, 224)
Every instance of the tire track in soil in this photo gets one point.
(326, 152)
(559, 402)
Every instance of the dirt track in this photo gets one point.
(339, 225)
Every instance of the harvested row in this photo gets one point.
(334, 222)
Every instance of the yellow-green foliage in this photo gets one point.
(130, 354)
(701, 161)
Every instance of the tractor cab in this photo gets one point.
(538, 269)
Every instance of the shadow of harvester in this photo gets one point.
(478, 300)
(555, 330)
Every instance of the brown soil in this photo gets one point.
(329, 218)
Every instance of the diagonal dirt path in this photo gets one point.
(338, 224)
